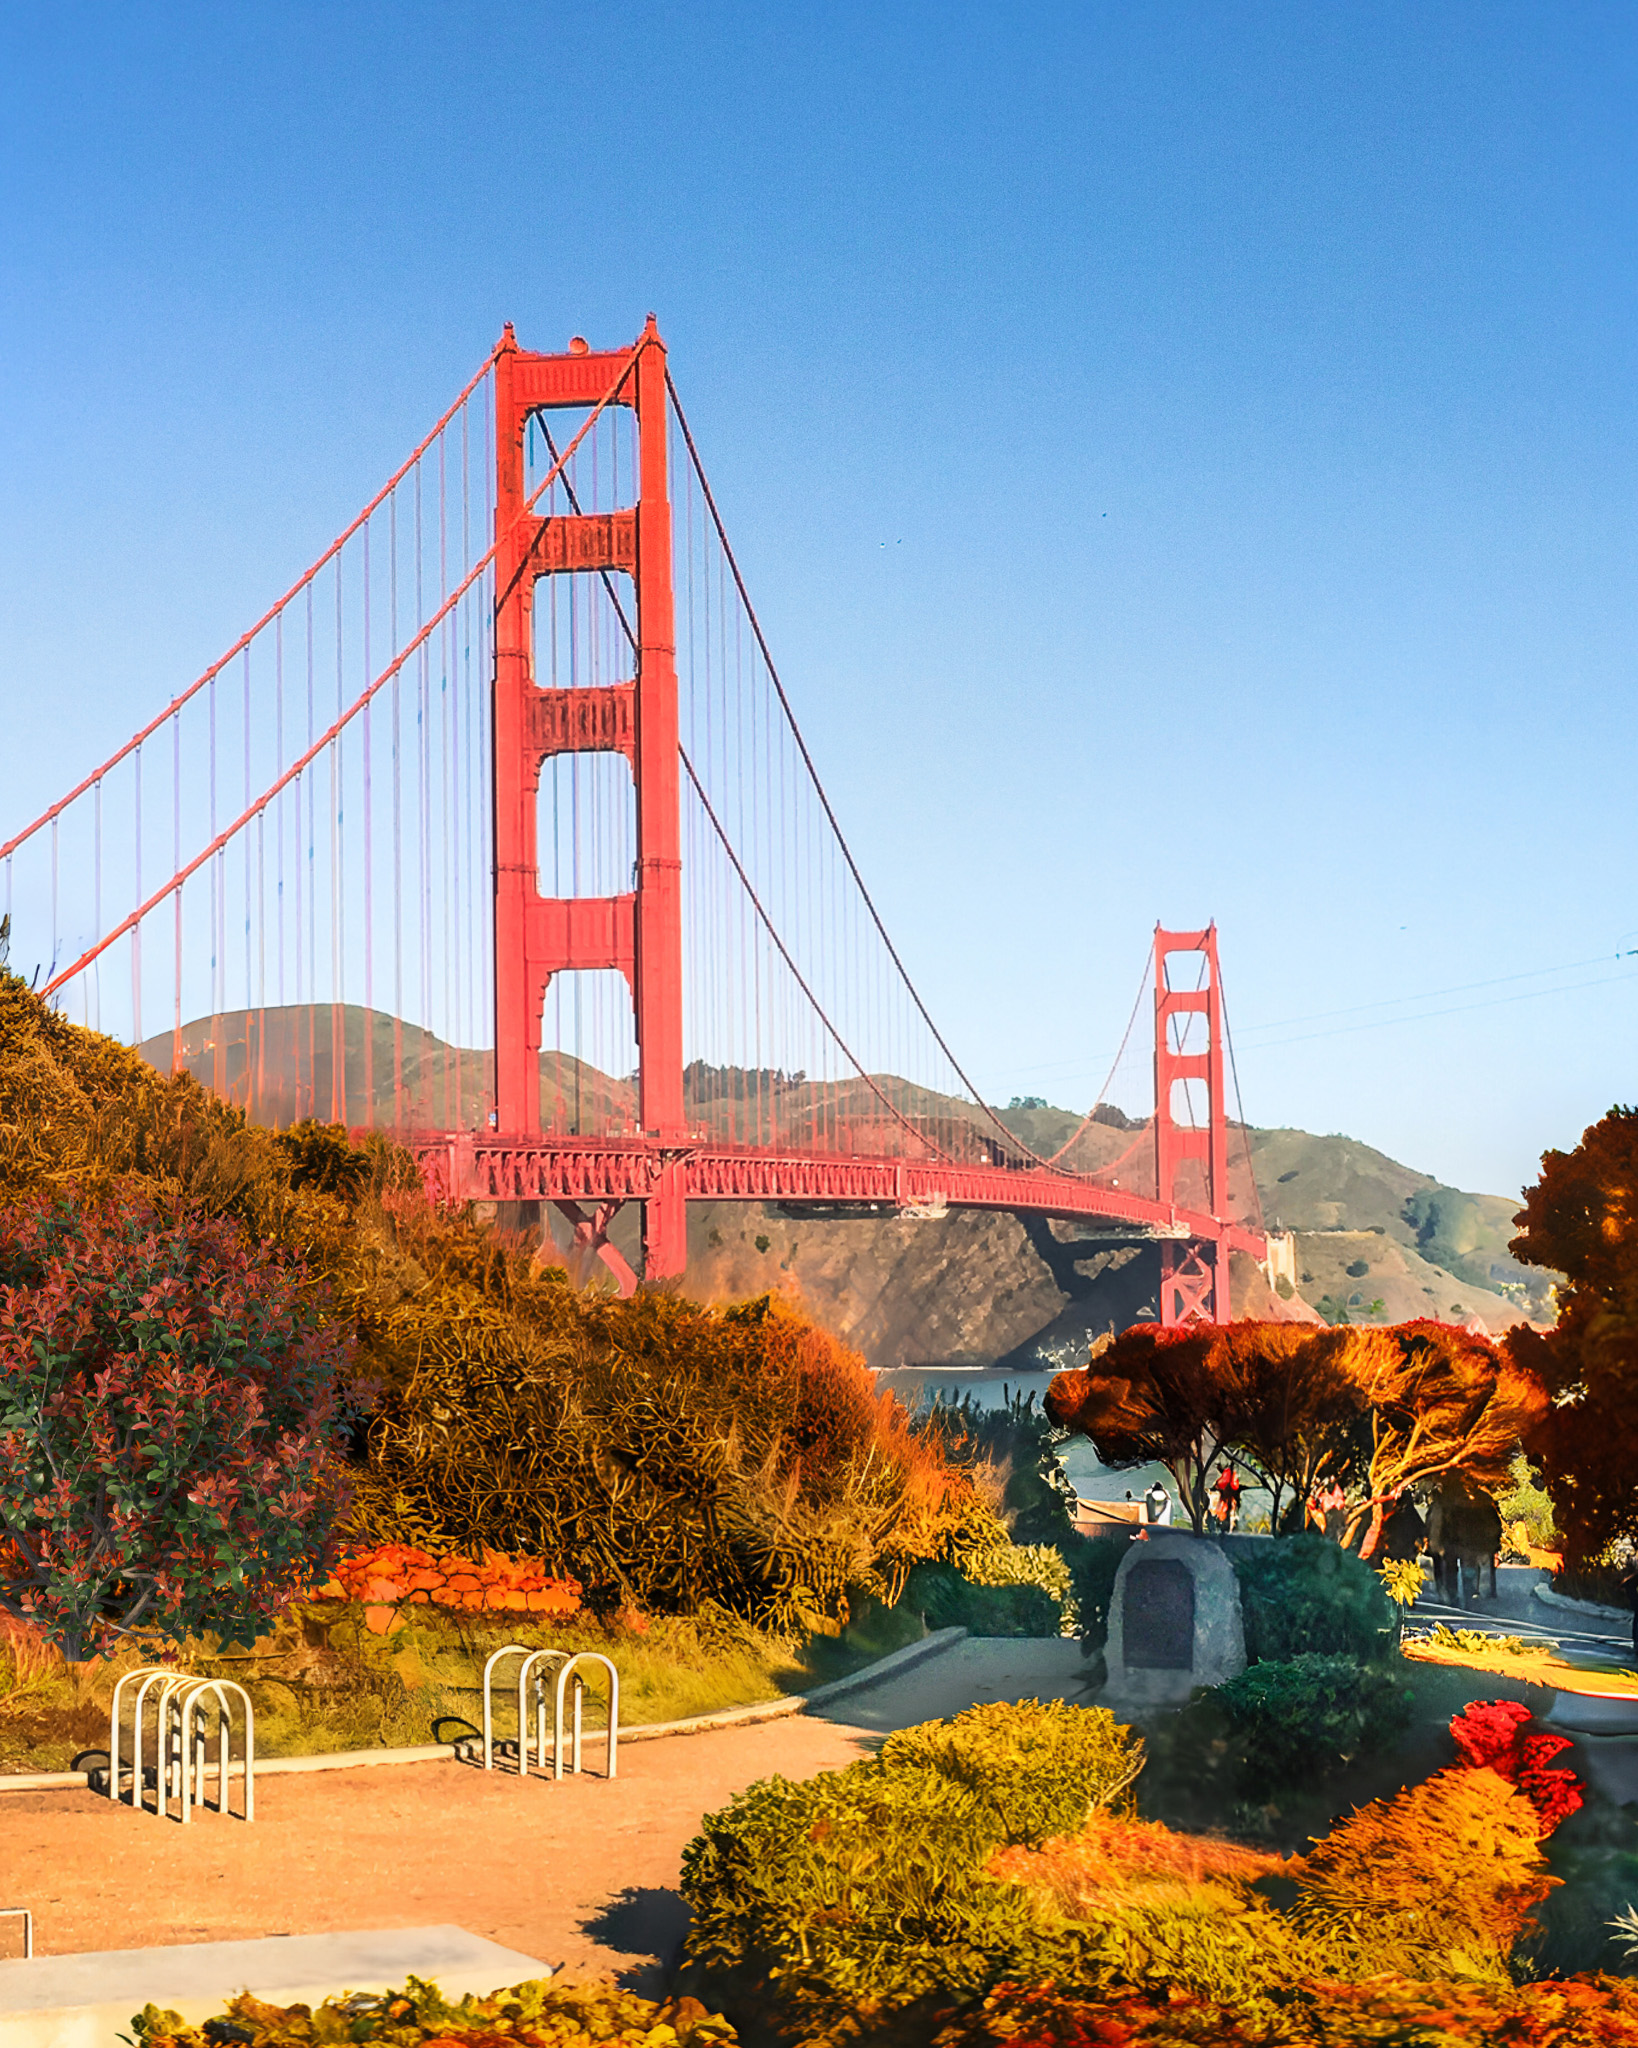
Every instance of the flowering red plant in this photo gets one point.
(1491, 1735)
(394, 1574)
(168, 1417)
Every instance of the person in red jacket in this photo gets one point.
(1228, 1490)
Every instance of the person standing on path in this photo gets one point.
(1157, 1507)
(1629, 1580)
(1228, 1490)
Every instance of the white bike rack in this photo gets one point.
(535, 1673)
(180, 1703)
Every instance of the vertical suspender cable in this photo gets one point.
(278, 822)
(446, 641)
(397, 830)
(176, 869)
(312, 881)
(369, 863)
(136, 933)
(338, 911)
(96, 889)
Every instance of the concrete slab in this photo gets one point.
(968, 1673)
(1584, 1713)
(86, 2001)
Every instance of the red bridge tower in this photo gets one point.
(639, 933)
(1191, 1154)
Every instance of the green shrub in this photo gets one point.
(853, 1893)
(1298, 1716)
(945, 1598)
(863, 1891)
(1041, 1565)
(1041, 1768)
(1307, 1595)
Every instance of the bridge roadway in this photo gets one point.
(472, 1166)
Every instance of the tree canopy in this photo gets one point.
(1581, 1219)
(1375, 1410)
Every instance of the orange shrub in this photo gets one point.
(1444, 1873)
(1115, 1853)
(1391, 2011)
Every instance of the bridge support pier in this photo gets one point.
(1189, 1284)
(591, 1241)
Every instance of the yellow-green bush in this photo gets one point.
(1041, 1768)
(1027, 1564)
(863, 1892)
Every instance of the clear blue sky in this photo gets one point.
(1184, 457)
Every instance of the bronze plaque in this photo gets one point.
(1158, 1631)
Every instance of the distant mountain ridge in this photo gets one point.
(1375, 1240)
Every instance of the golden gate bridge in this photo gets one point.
(497, 832)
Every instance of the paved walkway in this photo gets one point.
(583, 1872)
(1513, 1610)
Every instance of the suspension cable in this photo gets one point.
(939, 1040)
(265, 620)
(1114, 1067)
(344, 718)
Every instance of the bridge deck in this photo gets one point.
(467, 1166)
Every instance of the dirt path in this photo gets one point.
(583, 1872)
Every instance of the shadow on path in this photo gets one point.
(647, 1923)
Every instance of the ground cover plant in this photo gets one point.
(538, 2014)
(325, 1680)
(1532, 1658)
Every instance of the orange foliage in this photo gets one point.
(1117, 1855)
(392, 1575)
(1290, 1401)
(1392, 2011)
(1581, 1218)
(1454, 1863)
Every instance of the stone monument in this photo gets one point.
(1174, 1620)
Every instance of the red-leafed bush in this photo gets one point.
(168, 1416)
(396, 1574)
(1492, 1735)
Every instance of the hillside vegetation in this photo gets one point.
(658, 1451)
